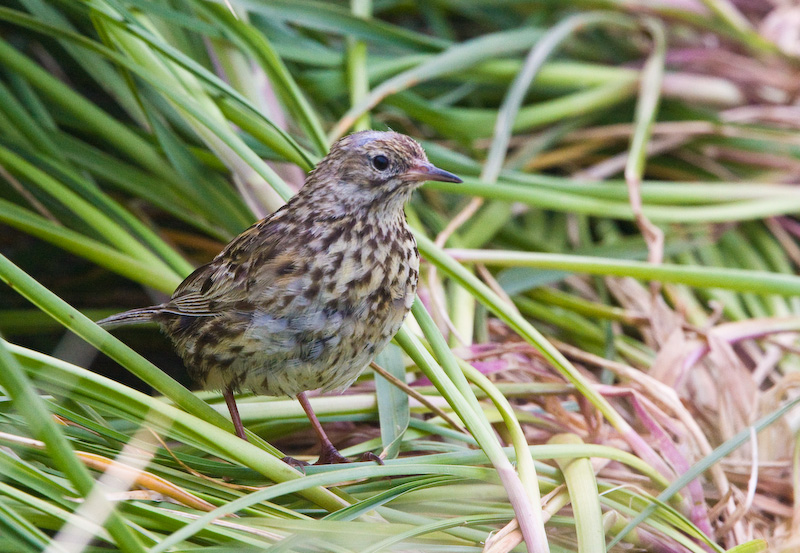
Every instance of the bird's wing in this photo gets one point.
(222, 284)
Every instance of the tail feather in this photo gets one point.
(134, 316)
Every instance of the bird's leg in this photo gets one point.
(328, 453)
(235, 418)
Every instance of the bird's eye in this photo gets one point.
(380, 162)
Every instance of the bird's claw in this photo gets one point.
(369, 456)
(295, 463)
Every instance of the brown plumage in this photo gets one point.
(308, 296)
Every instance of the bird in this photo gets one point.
(307, 297)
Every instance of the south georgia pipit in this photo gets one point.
(308, 296)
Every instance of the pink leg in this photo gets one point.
(235, 418)
(328, 453)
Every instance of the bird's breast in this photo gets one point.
(321, 309)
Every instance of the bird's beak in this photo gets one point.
(426, 171)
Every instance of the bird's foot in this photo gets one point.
(329, 455)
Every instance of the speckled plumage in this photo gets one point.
(306, 309)
(305, 298)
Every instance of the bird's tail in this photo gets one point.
(141, 315)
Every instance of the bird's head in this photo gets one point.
(373, 170)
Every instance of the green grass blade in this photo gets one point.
(393, 404)
(21, 391)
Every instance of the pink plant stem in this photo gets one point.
(698, 511)
(696, 507)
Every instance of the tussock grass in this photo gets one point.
(604, 351)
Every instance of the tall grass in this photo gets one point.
(604, 350)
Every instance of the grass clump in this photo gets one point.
(604, 351)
